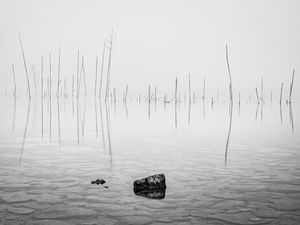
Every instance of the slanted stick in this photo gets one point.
(257, 98)
(58, 74)
(25, 66)
(15, 86)
(280, 99)
(291, 86)
(230, 80)
(96, 76)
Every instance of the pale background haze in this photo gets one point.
(155, 41)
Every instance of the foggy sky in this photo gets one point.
(156, 41)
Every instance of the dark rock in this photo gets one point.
(154, 182)
(98, 181)
(153, 194)
(105, 186)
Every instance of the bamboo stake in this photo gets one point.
(126, 92)
(149, 97)
(262, 90)
(77, 73)
(58, 74)
(50, 78)
(34, 80)
(96, 76)
(15, 86)
(176, 90)
(109, 67)
(291, 87)
(42, 71)
(281, 93)
(102, 66)
(230, 80)
(25, 66)
(72, 84)
(203, 96)
(257, 98)
(190, 88)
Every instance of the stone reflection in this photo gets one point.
(152, 194)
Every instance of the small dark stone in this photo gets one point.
(105, 186)
(154, 182)
(98, 181)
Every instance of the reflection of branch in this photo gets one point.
(280, 114)
(291, 117)
(229, 131)
(96, 115)
(108, 129)
(189, 114)
(102, 129)
(256, 110)
(25, 132)
(175, 115)
(58, 116)
(15, 107)
(77, 112)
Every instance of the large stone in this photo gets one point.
(154, 182)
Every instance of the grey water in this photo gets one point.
(223, 164)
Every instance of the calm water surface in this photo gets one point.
(50, 154)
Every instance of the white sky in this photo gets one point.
(158, 40)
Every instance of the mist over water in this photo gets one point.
(248, 174)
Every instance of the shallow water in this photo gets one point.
(50, 154)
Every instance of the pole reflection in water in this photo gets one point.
(189, 113)
(83, 119)
(96, 116)
(281, 120)
(14, 117)
(42, 116)
(102, 125)
(107, 111)
(77, 119)
(203, 109)
(229, 131)
(126, 109)
(25, 131)
(175, 115)
(50, 118)
(257, 106)
(262, 111)
(291, 116)
(58, 120)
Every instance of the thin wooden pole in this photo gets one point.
(291, 87)
(72, 84)
(176, 90)
(257, 98)
(102, 66)
(109, 67)
(58, 73)
(281, 93)
(190, 88)
(15, 86)
(25, 66)
(96, 76)
(50, 78)
(203, 96)
(77, 73)
(229, 73)
(126, 92)
(42, 81)
(34, 79)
